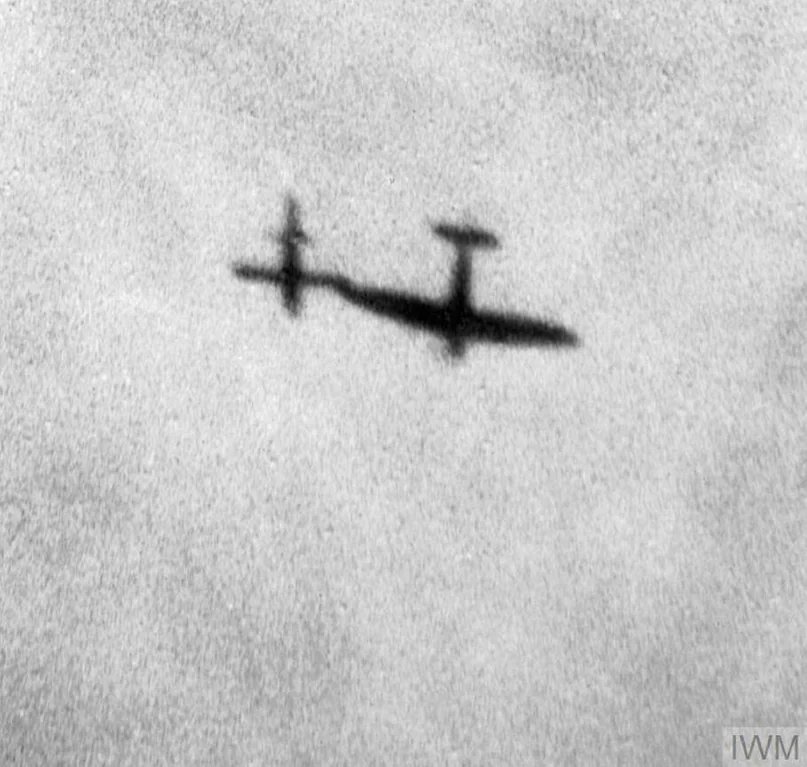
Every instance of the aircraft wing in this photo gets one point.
(402, 307)
(495, 327)
(257, 273)
(491, 327)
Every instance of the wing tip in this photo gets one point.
(569, 338)
(245, 271)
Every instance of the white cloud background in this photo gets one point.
(229, 538)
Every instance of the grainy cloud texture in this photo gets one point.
(231, 537)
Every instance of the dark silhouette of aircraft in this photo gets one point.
(290, 276)
(453, 318)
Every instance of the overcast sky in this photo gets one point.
(230, 537)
